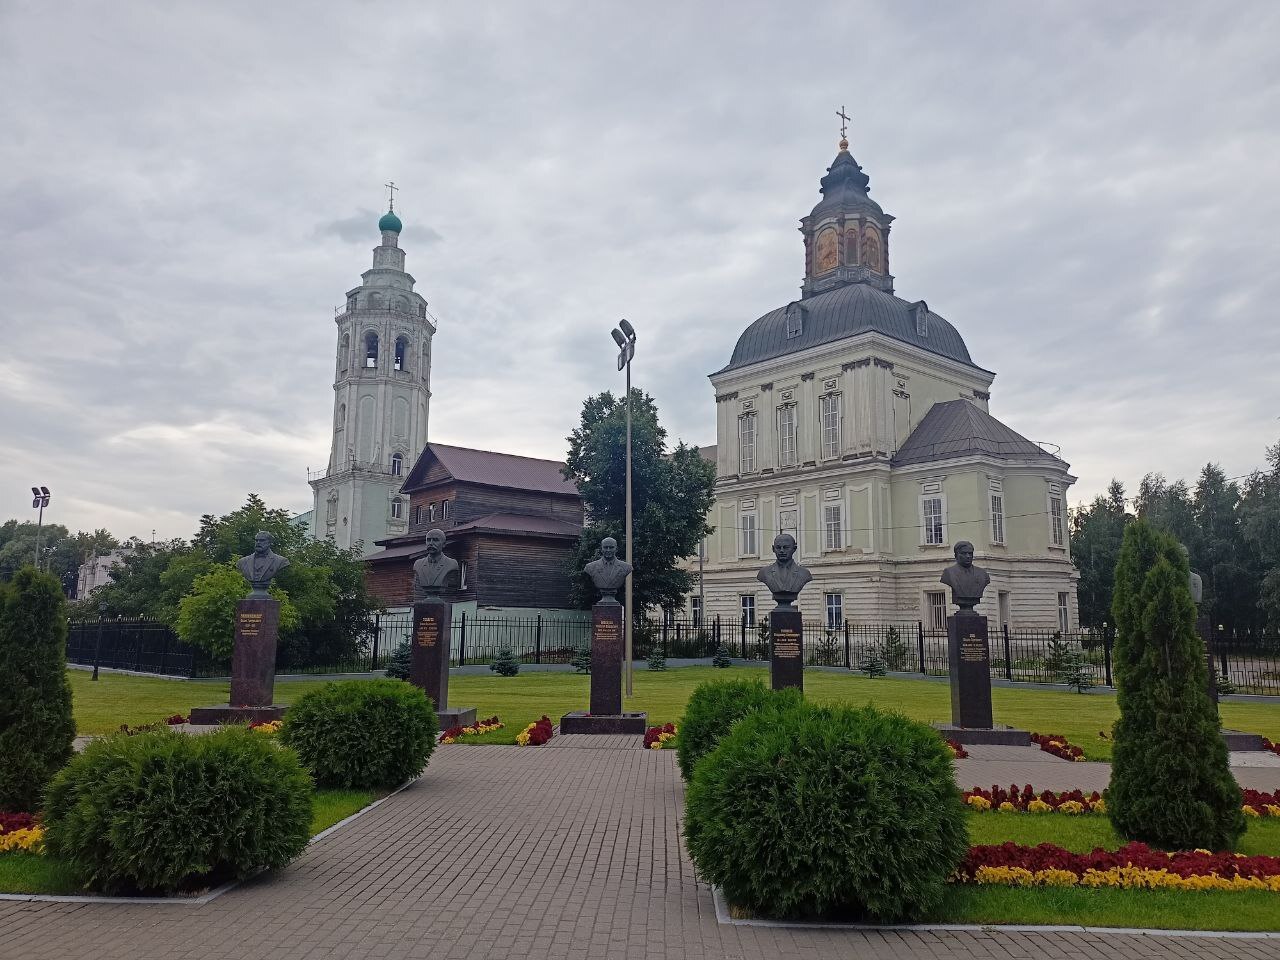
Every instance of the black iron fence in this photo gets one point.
(1247, 665)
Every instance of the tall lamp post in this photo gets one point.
(624, 335)
(39, 500)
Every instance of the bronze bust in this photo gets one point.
(261, 566)
(435, 573)
(965, 580)
(784, 577)
(608, 573)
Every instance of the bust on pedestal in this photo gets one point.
(608, 574)
(785, 579)
(435, 580)
(969, 658)
(253, 659)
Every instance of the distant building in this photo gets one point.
(382, 394)
(858, 422)
(511, 522)
(96, 572)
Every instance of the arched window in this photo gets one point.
(397, 464)
(344, 353)
(370, 349)
(828, 256)
(444, 509)
(402, 349)
(397, 508)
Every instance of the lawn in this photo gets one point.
(30, 873)
(115, 699)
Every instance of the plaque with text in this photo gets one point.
(253, 660)
(429, 651)
(786, 649)
(969, 660)
(606, 658)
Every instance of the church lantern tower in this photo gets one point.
(382, 394)
(846, 236)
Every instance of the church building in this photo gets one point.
(858, 422)
(382, 394)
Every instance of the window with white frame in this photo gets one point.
(431, 513)
(835, 610)
(830, 414)
(397, 464)
(997, 517)
(397, 508)
(747, 531)
(444, 509)
(833, 526)
(1064, 612)
(933, 509)
(462, 574)
(1057, 523)
(695, 610)
(789, 522)
(936, 610)
(747, 603)
(788, 451)
(747, 443)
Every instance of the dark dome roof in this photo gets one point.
(846, 312)
(844, 188)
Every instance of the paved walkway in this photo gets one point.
(500, 852)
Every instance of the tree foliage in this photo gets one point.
(1096, 532)
(207, 615)
(36, 724)
(671, 491)
(1170, 782)
(61, 553)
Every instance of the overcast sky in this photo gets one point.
(1089, 191)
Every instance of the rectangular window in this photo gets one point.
(417, 514)
(789, 522)
(397, 508)
(431, 513)
(1064, 613)
(997, 518)
(831, 426)
(747, 443)
(788, 453)
(1056, 520)
(462, 574)
(695, 610)
(934, 521)
(833, 526)
(936, 607)
(444, 509)
(747, 525)
(748, 602)
(835, 610)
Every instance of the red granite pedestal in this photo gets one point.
(429, 661)
(606, 715)
(253, 667)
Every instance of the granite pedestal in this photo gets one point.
(605, 715)
(969, 668)
(253, 666)
(786, 649)
(429, 661)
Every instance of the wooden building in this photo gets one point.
(511, 522)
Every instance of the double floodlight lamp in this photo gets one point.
(624, 335)
(39, 497)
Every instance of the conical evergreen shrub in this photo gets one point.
(1170, 783)
(36, 725)
(505, 664)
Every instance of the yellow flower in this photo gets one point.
(978, 802)
(1071, 807)
(30, 839)
(1272, 810)
(1250, 811)
(1098, 806)
(1038, 806)
(1007, 807)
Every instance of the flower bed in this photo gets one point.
(1260, 804)
(1133, 866)
(536, 733)
(1268, 745)
(21, 831)
(1027, 800)
(177, 719)
(267, 727)
(957, 750)
(453, 734)
(1058, 746)
(660, 738)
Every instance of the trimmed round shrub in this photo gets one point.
(165, 811)
(717, 705)
(362, 733)
(827, 812)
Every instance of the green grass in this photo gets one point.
(1086, 832)
(115, 699)
(22, 872)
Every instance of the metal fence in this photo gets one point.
(1247, 665)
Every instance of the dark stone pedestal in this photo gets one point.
(606, 714)
(969, 666)
(984, 736)
(579, 722)
(1238, 740)
(429, 660)
(786, 649)
(253, 666)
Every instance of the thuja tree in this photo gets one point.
(1170, 783)
(36, 725)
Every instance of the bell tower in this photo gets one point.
(382, 395)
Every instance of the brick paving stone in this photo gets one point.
(501, 852)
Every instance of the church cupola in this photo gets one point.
(846, 236)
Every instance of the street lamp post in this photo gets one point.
(624, 335)
(39, 500)
(97, 648)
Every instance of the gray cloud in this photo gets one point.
(1085, 191)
